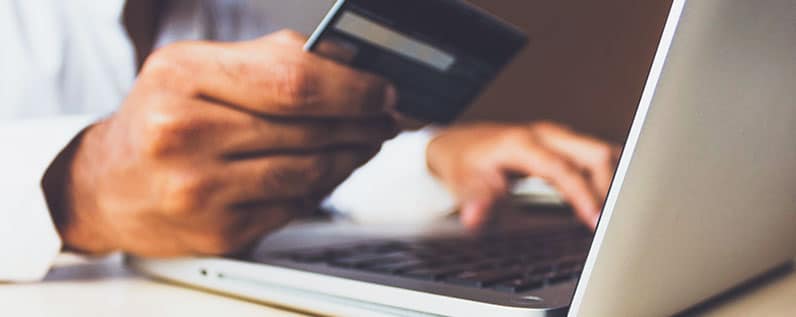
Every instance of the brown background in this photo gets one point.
(586, 64)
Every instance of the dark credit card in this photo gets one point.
(440, 54)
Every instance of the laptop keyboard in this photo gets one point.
(512, 262)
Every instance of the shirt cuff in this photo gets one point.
(396, 186)
(29, 241)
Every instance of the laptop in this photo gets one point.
(702, 201)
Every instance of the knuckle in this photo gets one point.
(187, 193)
(168, 62)
(545, 126)
(168, 131)
(296, 86)
(159, 133)
(169, 66)
(237, 70)
(163, 137)
(160, 62)
(516, 135)
(288, 36)
(604, 154)
(247, 69)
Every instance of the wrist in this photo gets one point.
(64, 185)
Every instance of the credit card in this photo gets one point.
(440, 54)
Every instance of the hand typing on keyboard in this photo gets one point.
(478, 162)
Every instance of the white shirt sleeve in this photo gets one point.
(395, 187)
(57, 59)
(29, 241)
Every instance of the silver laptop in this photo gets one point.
(703, 200)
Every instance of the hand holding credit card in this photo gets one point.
(440, 54)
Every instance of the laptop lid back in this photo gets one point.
(705, 194)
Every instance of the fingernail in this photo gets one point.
(390, 97)
(467, 210)
(469, 214)
(595, 220)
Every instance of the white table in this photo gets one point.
(104, 287)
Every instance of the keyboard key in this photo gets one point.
(541, 268)
(507, 262)
(433, 273)
(392, 268)
(313, 256)
(558, 278)
(567, 265)
(356, 260)
(521, 284)
(483, 278)
(568, 273)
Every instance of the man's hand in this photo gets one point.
(478, 161)
(218, 144)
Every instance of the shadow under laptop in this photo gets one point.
(746, 288)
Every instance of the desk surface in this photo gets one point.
(104, 287)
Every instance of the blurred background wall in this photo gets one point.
(585, 66)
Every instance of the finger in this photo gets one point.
(297, 83)
(338, 51)
(263, 218)
(474, 212)
(291, 176)
(535, 160)
(591, 154)
(231, 231)
(331, 48)
(406, 123)
(222, 131)
(270, 77)
(479, 196)
(268, 135)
